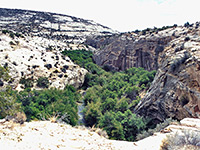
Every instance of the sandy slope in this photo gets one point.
(44, 135)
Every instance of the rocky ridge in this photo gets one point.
(47, 135)
(175, 90)
(31, 57)
(65, 28)
(31, 43)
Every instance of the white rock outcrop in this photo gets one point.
(31, 58)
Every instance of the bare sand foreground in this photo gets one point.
(44, 135)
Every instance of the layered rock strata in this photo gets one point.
(175, 91)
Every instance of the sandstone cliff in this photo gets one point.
(175, 91)
(120, 52)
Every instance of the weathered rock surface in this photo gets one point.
(175, 91)
(29, 58)
(38, 54)
(46, 135)
(120, 52)
(48, 25)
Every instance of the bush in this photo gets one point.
(122, 126)
(44, 103)
(8, 103)
(28, 83)
(158, 128)
(187, 24)
(4, 73)
(92, 113)
(187, 39)
(185, 139)
(43, 82)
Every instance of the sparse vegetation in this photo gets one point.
(154, 30)
(12, 34)
(158, 128)
(28, 83)
(185, 139)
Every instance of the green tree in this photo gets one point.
(45, 103)
(92, 113)
(113, 127)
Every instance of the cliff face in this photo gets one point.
(175, 91)
(127, 50)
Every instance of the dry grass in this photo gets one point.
(20, 117)
(183, 140)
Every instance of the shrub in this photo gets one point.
(44, 103)
(187, 24)
(122, 126)
(185, 140)
(92, 113)
(43, 82)
(4, 73)
(187, 39)
(12, 35)
(28, 83)
(158, 128)
(8, 104)
(12, 43)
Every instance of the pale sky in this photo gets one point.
(121, 15)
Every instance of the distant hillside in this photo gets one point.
(32, 42)
(51, 25)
